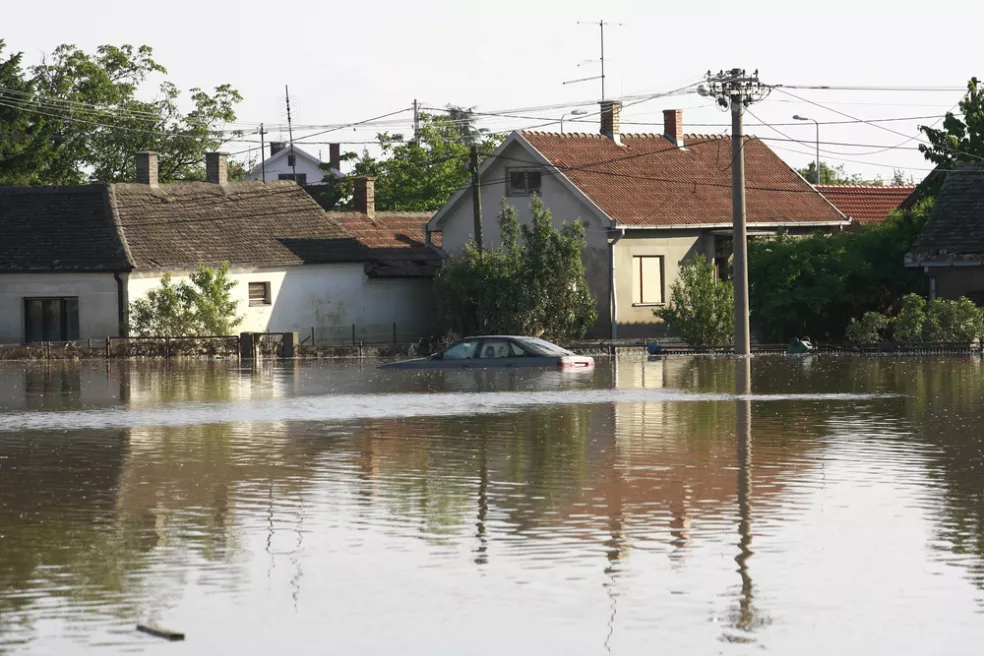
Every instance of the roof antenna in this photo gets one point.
(290, 134)
(601, 25)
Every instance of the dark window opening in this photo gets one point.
(300, 178)
(291, 160)
(51, 319)
(259, 293)
(524, 182)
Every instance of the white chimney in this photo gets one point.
(611, 120)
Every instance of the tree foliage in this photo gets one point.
(702, 307)
(815, 285)
(532, 283)
(78, 118)
(422, 173)
(837, 175)
(202, 306)
(958, 139)
(869, 330)
(940, 320)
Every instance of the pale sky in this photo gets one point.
(349, 61)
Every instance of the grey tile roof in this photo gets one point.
(58, 229)
(955, 228)
(244, 223)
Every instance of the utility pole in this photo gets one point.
(290, 135)
(262, 153)
(416, 120)
(476, 197)
(737, 90)
(601, 26)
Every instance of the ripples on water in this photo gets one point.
(640, 507)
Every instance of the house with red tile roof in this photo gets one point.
(866, 204)
(648, 202)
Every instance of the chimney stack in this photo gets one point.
(364, 197)
(217, 168)
(673, 126)
(611, 120)
(276, 147)
(147, 168)
(335, 156)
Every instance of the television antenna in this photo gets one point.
(601, 28)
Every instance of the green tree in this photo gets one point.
(19, 146)
(702, 307)
(908, 325)
(835, 175)
(958, 139)
(533, 282)
(953, 321)
(869, 330)
(421, 174)
(81, 119)
(202, 306)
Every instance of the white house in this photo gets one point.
(648, 203)
(285, 160)
(72, 259)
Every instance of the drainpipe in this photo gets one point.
(932, 283)
(121, 304)
(614, 293)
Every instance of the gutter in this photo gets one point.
(613, 296)
(944, 264)
(121, 305)
(702, 226)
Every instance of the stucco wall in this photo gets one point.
(327, 297)
(458, 226)
(407, 302)
(674, 247)
(279, 165)
(957, 281)
(97, 294)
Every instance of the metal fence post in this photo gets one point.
(394, 332)
(353, 334)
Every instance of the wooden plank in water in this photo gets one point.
(160, 633)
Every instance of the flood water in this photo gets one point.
(643, 507)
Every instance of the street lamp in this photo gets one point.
(576, 112)
(797, 117)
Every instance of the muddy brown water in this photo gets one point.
(642, 507)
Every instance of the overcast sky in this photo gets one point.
(347, 61)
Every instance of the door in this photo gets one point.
(504, 353)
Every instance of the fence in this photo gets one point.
(367, 334)
(609, 347)
(169, 347)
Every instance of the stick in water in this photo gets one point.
(160, 633)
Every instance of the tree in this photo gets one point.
(702, 307)
(959, 139)
(80, 119)
(421, 174)
(532, 283)
(836, 175)
(815, 285)
(202, 306)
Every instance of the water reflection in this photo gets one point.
(589, 520)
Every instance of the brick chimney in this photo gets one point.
(364, 197)
(673, 126)
(276, 147)
(147, 168)
(611, 120)
(217, 168)
(335, 156)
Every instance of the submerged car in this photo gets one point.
(498, 351)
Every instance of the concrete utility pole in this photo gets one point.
(262, 153)
(737, 90)
(290, 134)
(476, 197)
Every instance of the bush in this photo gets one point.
(908, 325)
(953, 321)
(814, 285)
(532, 283)
(701, 308)
(868, 330)
(203, 307)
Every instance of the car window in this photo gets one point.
(517, 351)
(496, 348)
(461, 351)
(544, 347)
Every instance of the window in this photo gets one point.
(461, 351)
(977, 297)
(259, 293)
(501, 348)
(291, 160)
(647, 280)
(51, 319)
(523, 182)
(300, 178)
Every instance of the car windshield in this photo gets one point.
(544, 347)
(461, 351)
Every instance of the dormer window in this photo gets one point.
(523, 182)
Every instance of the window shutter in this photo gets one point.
(637, 280)
(259, 293)
(652, 280)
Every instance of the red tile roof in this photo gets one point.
(866, 203)
(397, 242)
(649, 182)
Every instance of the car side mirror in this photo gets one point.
(437, 356)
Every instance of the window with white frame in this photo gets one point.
(523, 182)
(647, 280)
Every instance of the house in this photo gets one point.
(950, 249)
(286, 159)
(73, 258)
(648, 202)
(866, 204)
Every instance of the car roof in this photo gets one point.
(499, 337)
